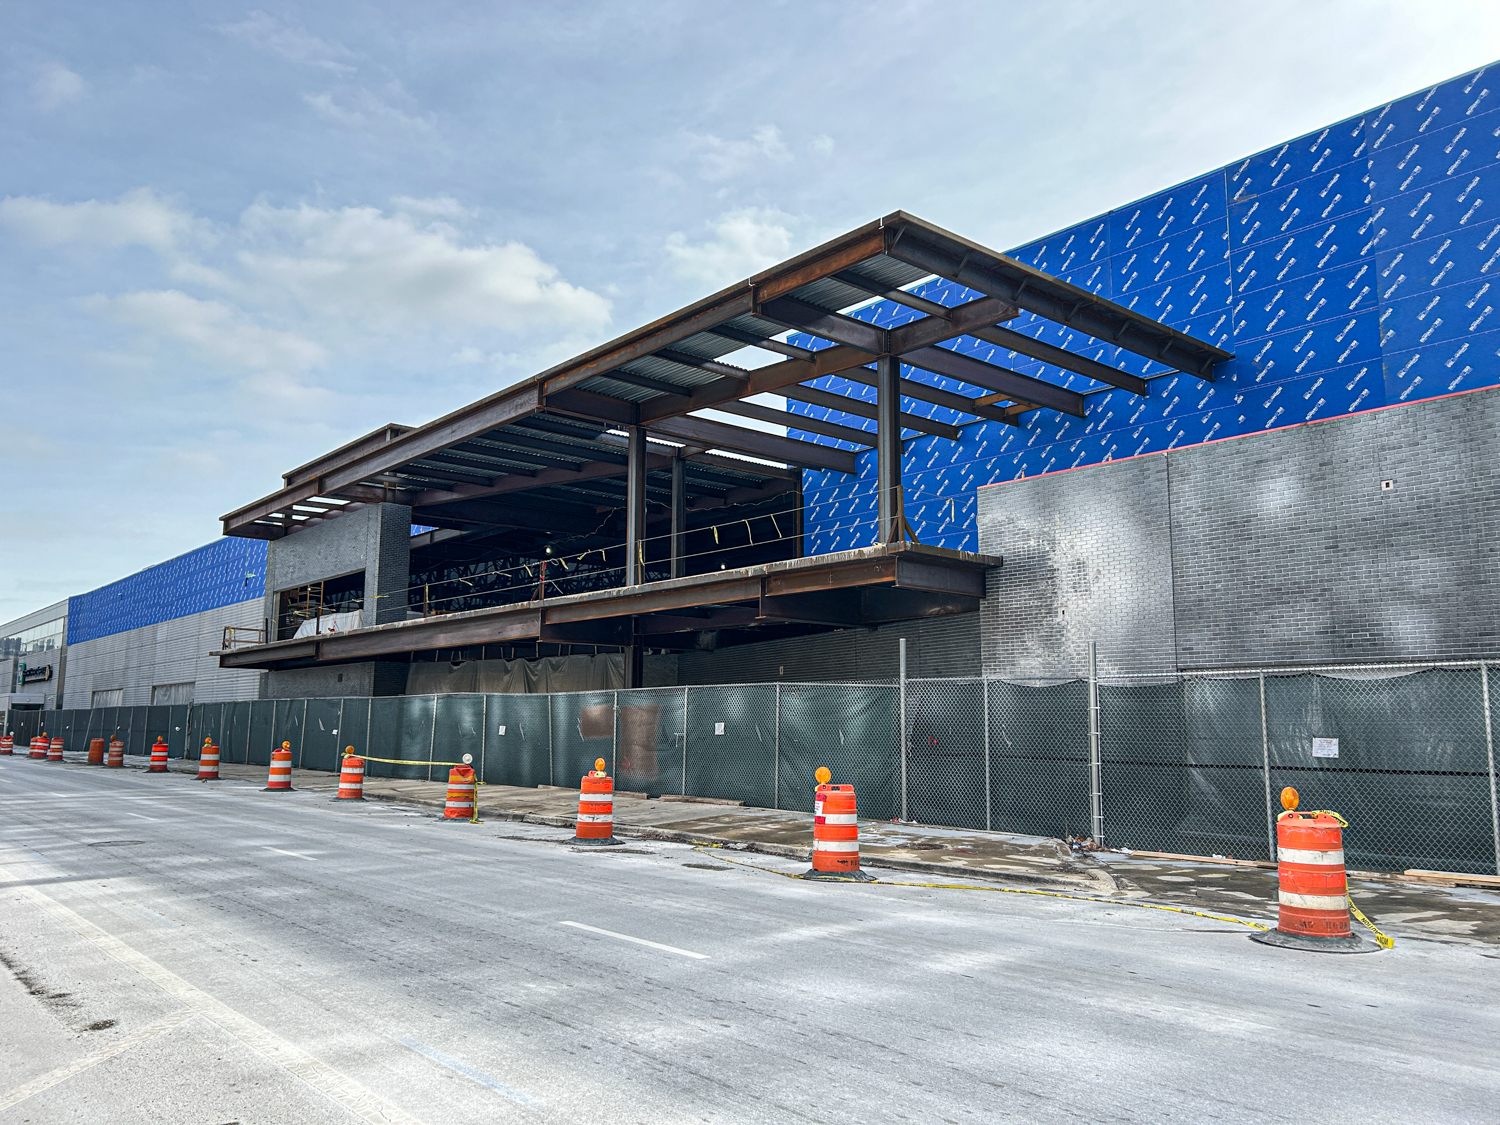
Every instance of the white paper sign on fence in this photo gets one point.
(1325, 748)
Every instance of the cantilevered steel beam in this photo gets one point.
(956, 321)
(997, 275)
(833, 326)
(756, 444)
(772, 377)
(1068, 361)
(980, 374)
(861, 409)
(799, 421)
(924, 392)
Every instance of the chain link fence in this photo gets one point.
(1189, 764)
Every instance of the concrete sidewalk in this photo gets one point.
(1402, 907)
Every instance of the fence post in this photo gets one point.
(302, 737)
(551, 766)
(369, 728)
(776, 760)
(1489, 746)
(338, 751)
(1265, 765)
(614, 740)
(685, 729)
(1096, 771)
(984, 686)
(484, 732)
(432, 738)
(901, 718)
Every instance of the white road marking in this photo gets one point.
(78, 1066)
(319, 1075)
(639, 941)
(297, 855)
(468, 1072)
(138, 816)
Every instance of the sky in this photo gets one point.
(234, 237)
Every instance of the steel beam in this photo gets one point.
(958, 321)
(1021, 388)
(757, 444)
(799, 421)
(892, 522)
(824, 324)
(1060, 357)
(923, 392)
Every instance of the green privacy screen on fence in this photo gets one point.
(1189, 765)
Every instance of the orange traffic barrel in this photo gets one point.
(279, 780)
(208, 761)
(835, 852)
(38, 746)
(596, 808)
(351, 777)
(460, 803)
(116, 755)
(1313, 898)
(55, 750)
(158, 756)
(7, 744)
(96, 751)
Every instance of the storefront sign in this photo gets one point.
(36, 675)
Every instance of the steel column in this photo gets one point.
(888, 449)
(679, 516)
(635, 505)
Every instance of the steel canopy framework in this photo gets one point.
(620, 424)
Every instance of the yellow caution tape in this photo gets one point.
(403, 761)
(1005, 890)
(1380, 938)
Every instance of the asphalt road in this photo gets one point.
(186, 952)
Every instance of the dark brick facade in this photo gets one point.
(1277, 548)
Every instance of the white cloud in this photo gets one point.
(719, 159)
(364, 266)
(137, 218)
(438, 206)
(822, 145)
(56, 86)
(362, 108)
(743, 243)
(293, 43)
(213, 329)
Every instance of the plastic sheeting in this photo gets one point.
(549, 674)
(1186, 766)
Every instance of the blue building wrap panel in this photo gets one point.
(224, 572)
(1352, 268)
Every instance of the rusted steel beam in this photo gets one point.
(992, 378)
(799, 421)
(756, 444)
(861, 409)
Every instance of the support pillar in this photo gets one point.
(892, 518)
(679, 516)
(635, 505)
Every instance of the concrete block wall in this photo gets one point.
(168, 652)
(332, 681)
(375, 539)
(1278, 548)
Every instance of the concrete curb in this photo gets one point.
(1099, 882)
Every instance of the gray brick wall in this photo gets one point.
(1088, 554)
(375, 539)
(1278, 548)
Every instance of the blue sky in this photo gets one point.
(234, 237)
